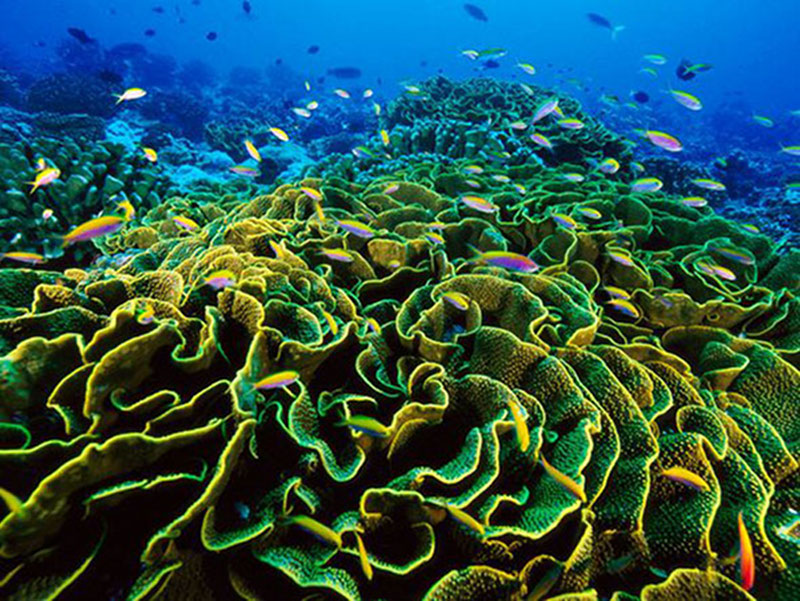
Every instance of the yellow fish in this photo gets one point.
(94, 228)
(523, 434)
(45, 177)
(568, 483)
(23, 257)
(279, 133)
(385, 137)
(128, 212)
(252, 151)
(150, 154)
(366, 567)
(131, 94)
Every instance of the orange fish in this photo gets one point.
(747, 562)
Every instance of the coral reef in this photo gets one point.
(71, 93)
(270, 401)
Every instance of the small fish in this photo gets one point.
(373, 325)
(621, 258)
(519, 188)
(609, 166)
(280, 379)
(131, 94)
(571, 123)
(252, 151)
(541, 140)
(647, 184)
(466, 519)
(545, 584)
(368, 93)
(734, 254)
(366, 567)
(589, 213)
(565, 221)
(518, 125)
(41, 164)
(366, 425)
(362, 151)
(94, 228)
(47, 214)
(312, 105)
(150, 154)
(568, 483)
(391, 189)
(212, 36)
(332, 325)
(625, 307)
(713, 269)
(503, 179)
(342, 93)
(24, 257)
(280, 252)
(434, 238)
(545, 108)
(45, 177)
(527, 68)
(377, 108)
(656, 59)
(220, 279)
(664, 140)
(385, 137)
(457, 299)
(476, 12)
(751, 227)
(618, 293)
(356, 228)
(601, 21)
(687, 100)
(708, 184)
(185, 223)
(244, 170)
(521, 426)
(318, 530)
(649, 71)
(694, 201)
(684, 476)
(279, 133)
(312, 193)
(146, 315)
(574, 177)
(637, 167)
(527, 89)
(480, 204)
(301, 112)
(763, 121)
(338, 254)
(791, 150)
(473, 169)
(80, 35)
(747, 564)
(507, 260)
(413, 90)
(641, 97)
(128, 212)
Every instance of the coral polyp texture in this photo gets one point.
(398, 389)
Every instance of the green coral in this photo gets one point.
(151, 461)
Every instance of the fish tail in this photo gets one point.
(615, 31)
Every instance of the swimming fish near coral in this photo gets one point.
(708, 184)
(695, 202)
(466, 519)
(280, 379)
(312, 193)
(520, 425)
(363, 559)
(337, 254)
(664, 140)
(457, 299)
(478, 203)
(220, 279)
(541, 140)
(185, 223)
(507, 260)
(684, 476)
(625, 307)
(94, 228)
(747, 565)
(45, 177)
(545, 108)
(131, 94)
(128, 211)
(647, 184)
(565, 481)
(24, 257)
(356, 228)
(476, 12)
(252, 150)
(150, 154)
(687, 100)
(279, 133)
(317, 529)
(366, 425)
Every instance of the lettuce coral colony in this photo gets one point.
(572, 391)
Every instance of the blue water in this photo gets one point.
(752, 44)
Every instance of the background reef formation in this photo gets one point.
(147, 461)
(146, 452)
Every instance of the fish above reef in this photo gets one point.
(131, 94)
(80, 35)
(313, 49)
(687, 70)
(601, 21)
(344, 72)
(211, 36)
(94, 228)
(476, 12)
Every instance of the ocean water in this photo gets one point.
(399, 300)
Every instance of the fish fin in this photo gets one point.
(616, 31)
